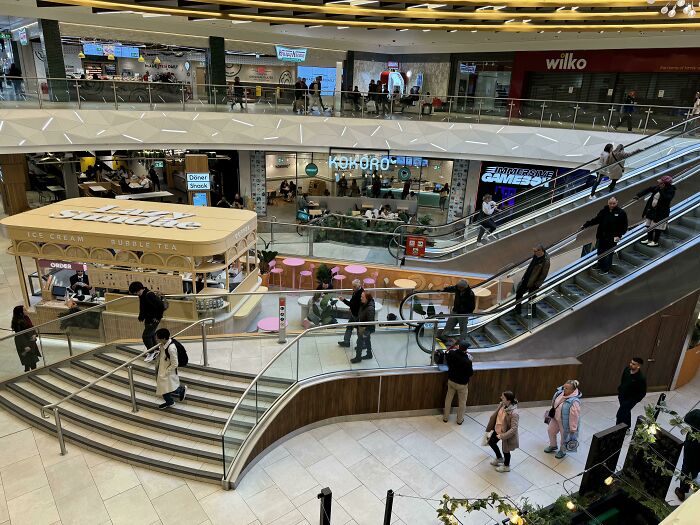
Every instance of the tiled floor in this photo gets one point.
(420, 458)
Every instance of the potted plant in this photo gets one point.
(265, 257)
(323, 274)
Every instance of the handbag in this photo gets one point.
(549, 414)
(485, 439)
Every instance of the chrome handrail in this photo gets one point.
(127, 364)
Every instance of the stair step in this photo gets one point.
(512, 324)
(148, 458)
(128, 433)
(557, 301)
(480, 340)
(496, 333)
(634, 258)
(573, 292)
(588, 281)
(195, 413)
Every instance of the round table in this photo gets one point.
(481, 293)
(270, 324)
(355, 269)
(405, 283)
(293, 262)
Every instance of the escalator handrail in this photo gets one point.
(583, 263)
(466, 219)
(679, 178)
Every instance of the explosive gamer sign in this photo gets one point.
(517, 176)
(136, 217)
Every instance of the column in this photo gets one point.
(458, 189)
(258, 182)
(70, 176)
(244, 187)
(53, 55)
(13, 186)
(216, 66)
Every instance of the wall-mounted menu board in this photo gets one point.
(121, 279)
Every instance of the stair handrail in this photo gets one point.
(467, 221)
(55, 405)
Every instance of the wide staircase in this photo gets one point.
(184, 440)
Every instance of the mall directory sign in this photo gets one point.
(291, 54)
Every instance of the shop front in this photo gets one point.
(91, 249)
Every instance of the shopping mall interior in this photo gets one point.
(350, 262)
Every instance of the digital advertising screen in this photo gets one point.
(327, 75)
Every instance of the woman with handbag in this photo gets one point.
(25, 343)
(503, 426)
(564, 418)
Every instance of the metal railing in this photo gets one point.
(55, 407)
(533, 197)
(123, 94)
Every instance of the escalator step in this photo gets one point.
(692, 223)
(512, 324)
(634, 258)
(603, 278)
(681, 232)
(497, 334)
(588, 281)
(558, 302)
(480, 340)
(649, 252)
(545, 310)
(573, 291)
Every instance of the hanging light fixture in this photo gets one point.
(664, 10)
(156, 61)
(81, 54)
(141, 59)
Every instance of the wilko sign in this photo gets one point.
(566, 62)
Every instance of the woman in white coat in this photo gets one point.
(167, 380)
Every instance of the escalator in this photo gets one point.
(642, 281)
(549, 211)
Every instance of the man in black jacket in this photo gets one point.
(464, 303)
(459, 371)
(691, 455)
(151, 309)
(354, 303)
(632, 389)
(612, 225)
(533, 277)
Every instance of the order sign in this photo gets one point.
(197, 177)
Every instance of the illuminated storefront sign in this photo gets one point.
(517, 176)
(288, 54)
(343, 162)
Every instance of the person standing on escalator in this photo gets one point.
(612, 225)
(464, 304)
(616, 164)
(533, 277)
(657, 208)
(488, 207)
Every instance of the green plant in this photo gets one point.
(321, 312)
(323, 274)
(266, 257)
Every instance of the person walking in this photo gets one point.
(534, 276)
(459, 372)
(15, 76)
(612, 225)
(167, 379)
(354, 303)
(690, 467)
(151, 310)
(444, 193)
(627, 110)
(503, 425)
(488, 207)
(564, 418)
(25, 343)
(463, 305)
(632, 389)
(616, 164)
(237, 93)
(365, 315)
(603, 170)
(657, 208)
(153, 177)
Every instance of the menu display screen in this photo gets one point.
(104, 50)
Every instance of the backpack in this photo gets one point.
(182, 357)
(163, 300)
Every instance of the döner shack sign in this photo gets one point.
(131, 216)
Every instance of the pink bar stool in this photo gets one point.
(337, 276)
(276, 271)
(307, 273)
(372, 280)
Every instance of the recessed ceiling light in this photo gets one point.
(561, 8)
(240, 21)
(474, 30)
(499, 7)
(343, 27)
(509, 21)
(426, 30)
(312, 27)
(575, 8)
(403, 29)
(454, 31)
(527, 20)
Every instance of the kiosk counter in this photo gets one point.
(171, 248)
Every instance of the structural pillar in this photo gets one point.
(216, 67)
(70, 176)
(258, 182)
(458, 190)
(53, 60)
(13, 184)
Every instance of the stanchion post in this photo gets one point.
(205, 353)
(282, 320)
(326, 497)
(388, 507)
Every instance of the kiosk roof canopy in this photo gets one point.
(94, 218)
